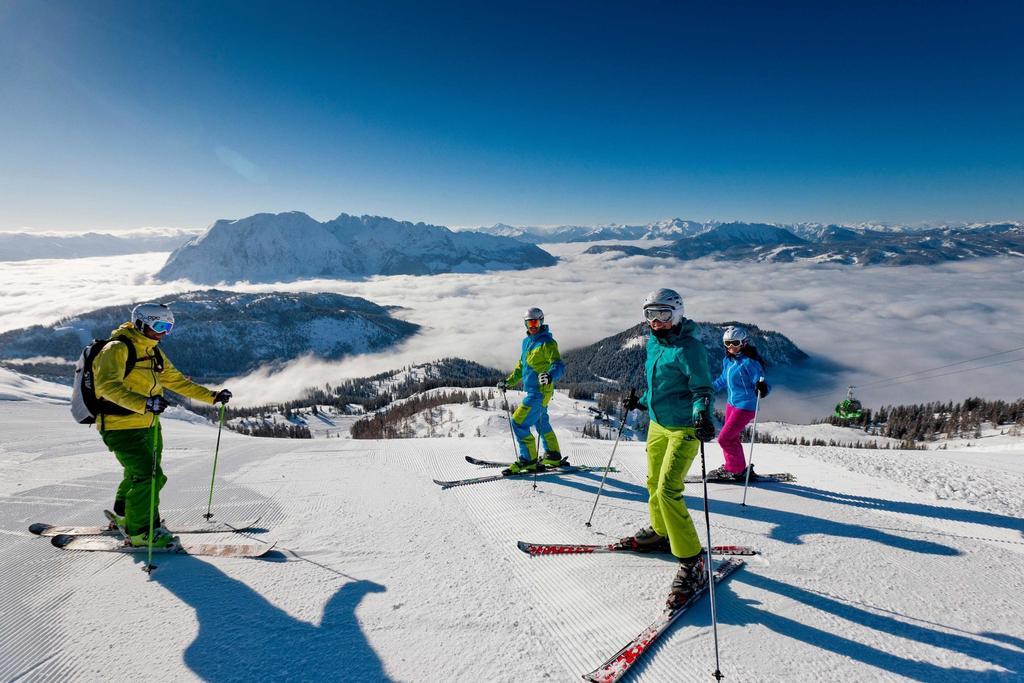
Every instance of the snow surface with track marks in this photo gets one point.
(382, 576)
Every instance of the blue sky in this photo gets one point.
(128, 114)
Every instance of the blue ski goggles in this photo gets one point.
(161, 327)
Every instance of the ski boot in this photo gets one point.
(116, 520)
(522, 467)
(162, 538)
(647, 540)
(723, 474)
(554, 459)
(691, 578)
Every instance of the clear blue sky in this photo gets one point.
(128, 114)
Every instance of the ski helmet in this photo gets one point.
(533, 313)
(735, 333)
(664, 300)
(157, 317)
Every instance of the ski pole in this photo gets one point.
(753, 431)
(711, 574)
(216, 452)
(622, 425)
(152, 497)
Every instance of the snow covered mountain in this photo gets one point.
(620, 357)
(675, 228)
(874, 565)
(220, 334)
(836, 244)
(23, 246)
(292, 246)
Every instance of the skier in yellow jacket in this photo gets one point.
(129, 422)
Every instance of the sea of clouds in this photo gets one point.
(864, 323)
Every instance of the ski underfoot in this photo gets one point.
(619, 664)
(571, 469)
(535, 549)
(757, 478)
(119, 545)
(42, 529)
(565, 463)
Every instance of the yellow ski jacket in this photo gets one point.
(142, 382)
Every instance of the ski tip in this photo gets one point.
(61, 540)
(524, 546)
(39, 528)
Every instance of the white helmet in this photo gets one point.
(534, 313)
(157, 317)
(664, 300)
(734, 333)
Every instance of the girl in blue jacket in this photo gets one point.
(743, 378)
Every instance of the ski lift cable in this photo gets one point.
(941, 367)
(920, 372)
(955, 372)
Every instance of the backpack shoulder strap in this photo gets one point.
(133, 357)
(158, 360)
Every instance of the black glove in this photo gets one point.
(631, 402)
(223, 396)
(544, 378)
(156, 404)
(705, 427)
(761, 388)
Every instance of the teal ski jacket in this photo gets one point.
(678, 381)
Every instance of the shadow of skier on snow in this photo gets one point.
(947, 513)
(613, 488)
(243, 636)
(745, 612)
(791, 527)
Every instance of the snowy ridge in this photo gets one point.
(292, 246)
(266, 327)
(24, 246)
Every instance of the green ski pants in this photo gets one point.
(136, 450)
(670, 453)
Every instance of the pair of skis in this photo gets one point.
(565, 469)
(774, 477)
(114, 539)
(616, 666)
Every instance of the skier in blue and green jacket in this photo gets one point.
(679, 401)
(540, 366)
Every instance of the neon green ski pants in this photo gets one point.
(136, 449)
(670, 453)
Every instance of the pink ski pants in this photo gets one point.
(729, 438)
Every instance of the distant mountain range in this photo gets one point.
(292, 246)
(675, 228)
(23, 246)
(837, 244)
(220, 334)
(678, 228)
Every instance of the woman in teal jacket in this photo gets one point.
(679, 400)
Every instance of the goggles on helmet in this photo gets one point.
(663, 315)
(161, 326)
(733, 342)
(532, 322)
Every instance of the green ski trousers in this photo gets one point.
(136, 450)
(669, 455)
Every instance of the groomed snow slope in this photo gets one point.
(381, 575)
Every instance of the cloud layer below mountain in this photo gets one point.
(877, 322)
